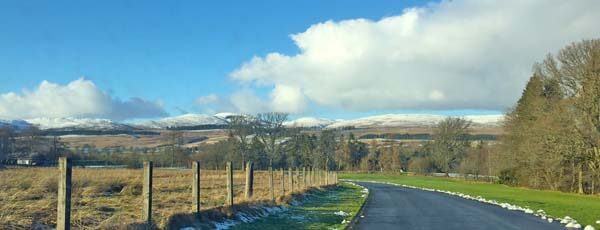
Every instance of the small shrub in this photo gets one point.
(50, 185)
(132, 189)
(508, 177)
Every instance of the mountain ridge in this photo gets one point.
(220, 120)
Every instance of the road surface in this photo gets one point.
(394, 207)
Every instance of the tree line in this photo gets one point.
(553, 133)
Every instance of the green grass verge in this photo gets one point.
(584, 208)
(316, 212)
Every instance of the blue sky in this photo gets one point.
(172, 53)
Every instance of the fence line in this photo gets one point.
(297, 179)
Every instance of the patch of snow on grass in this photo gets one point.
(341, 213)
(248, 217)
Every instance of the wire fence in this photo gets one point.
(102, 197)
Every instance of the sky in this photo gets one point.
(126, 60)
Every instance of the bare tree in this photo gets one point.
(7, 137)
(450, 143)
(173, 140)
(240, 127)
(580, 76)
(270, 130)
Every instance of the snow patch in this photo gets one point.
(189, 119)
(341, 213)
(411, 120)
(249, 216)
(308, 122)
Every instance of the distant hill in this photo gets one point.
(91, 126)
(191, 121)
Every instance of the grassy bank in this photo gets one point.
(318, 211)
(584, 208)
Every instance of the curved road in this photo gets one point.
(394, 207)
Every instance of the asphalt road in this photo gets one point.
(393, 207)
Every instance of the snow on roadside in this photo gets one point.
(365, 193)
(249, 216)
(569, 222)
(341, 213)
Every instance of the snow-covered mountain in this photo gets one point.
(186, 120)
(411, 120)
(219, 120)
(77, 124)
(15, 124)
(308, 122)
(491, 120)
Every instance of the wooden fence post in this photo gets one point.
(304, 177)
(63, 221)
(321, 179)
(282, 182)
(297, 178)
(147, 193)
(229, 184)
(311, 179)
(317, 177)
(326, 176)
(291, 180)
(249, 179)
(196, 187)
(271, 183)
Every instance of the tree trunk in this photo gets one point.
(593, 191)
(580, 181)
(572, 176)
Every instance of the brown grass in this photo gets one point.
(103, 197)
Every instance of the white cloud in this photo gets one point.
(283, 98)
(287, 99)
(461, 54)
(79, 98)
(208, 99)
(247, 102)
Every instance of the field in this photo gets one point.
(105, 197)
(583, 208)
(148, 141)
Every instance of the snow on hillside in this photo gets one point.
(410, 120)
(308, 122)
(389, 120)
(15, 124)
(184, 120)
(486, 119)
(187, 120)
(76, 123)
(226, 115)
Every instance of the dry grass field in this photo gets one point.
(102, 198)
(149, 141)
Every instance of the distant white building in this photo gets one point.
(26, 161)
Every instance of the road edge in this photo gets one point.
(360, 211)
(567, 221)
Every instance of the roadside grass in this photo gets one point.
(584, 208)
(317, 211)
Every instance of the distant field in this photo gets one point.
(103, 197)
(584, 208)
(149, 141)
